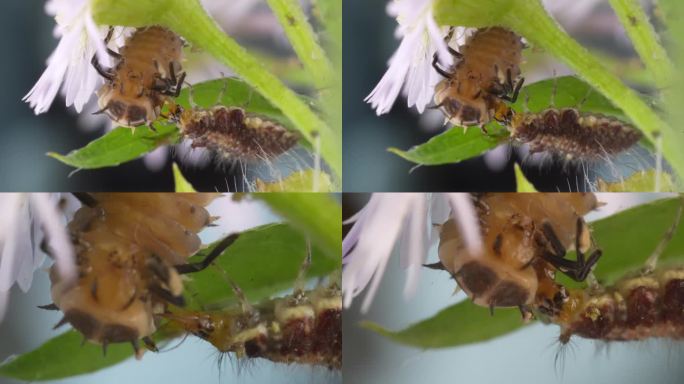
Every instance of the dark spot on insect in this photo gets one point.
(116, 109)
(470, 114)
(477, 277)
(291, 20)
(83, 322)
(496, 247)
(136, 115)
(508, 294)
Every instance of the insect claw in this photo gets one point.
(149, 343)
(438, 265)
(49, 307)
(61, 323)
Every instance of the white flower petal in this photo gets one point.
(53, 226)
(410, 67)
(466, 218)
(69, 65)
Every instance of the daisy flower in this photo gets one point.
(410, 67)
(408, 219)
(28, 218)
(68, 67)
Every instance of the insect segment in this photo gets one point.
(486, 74)
(572, 134)
(232, 132)
(304, 327)
(567, 131)
(130, 252)
(525, 237)
(645, 304)
(147, 74)
(635, 308)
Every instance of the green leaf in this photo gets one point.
(451, 146)
(466, 323)
(182, 185)
(645, 40)
(263, 261)
(460, 324)
(641, 181)
(317, 215)
(118, 146)
(523, 185)
(564, 92)
(232, 92)
(63, 356)
(299, 181)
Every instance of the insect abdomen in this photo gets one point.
(491, 52)
(634, 309)
(126, 248)
(573, 134)
(237, 135)
(304, 328)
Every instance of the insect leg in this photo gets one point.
(300, 282)
(437, 68)
(216, 252)
(107, 73)
(652, 260)
(577, 270)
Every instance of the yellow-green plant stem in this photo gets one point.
(645, 40)
(188, 19)
(304, 41)
(529, 19)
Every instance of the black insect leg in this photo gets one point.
(437, 68)
(107, 73)
(216, 252)
(577, 270)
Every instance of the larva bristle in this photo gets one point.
(636, 308)
(235, 134)
(127, 247)
(573, 135)
(304, 328)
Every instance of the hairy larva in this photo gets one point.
(635, 308)
(147, 74)
(644, 304)
(486, 74)
(302, 328)
(232, 132)
(573, 134)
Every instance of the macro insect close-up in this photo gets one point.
(157, 274)
(577, 95)
(266, 113)
(571, 286)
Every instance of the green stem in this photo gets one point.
(645, 40)
(529, 19)
(188, 19)
(304, 41)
